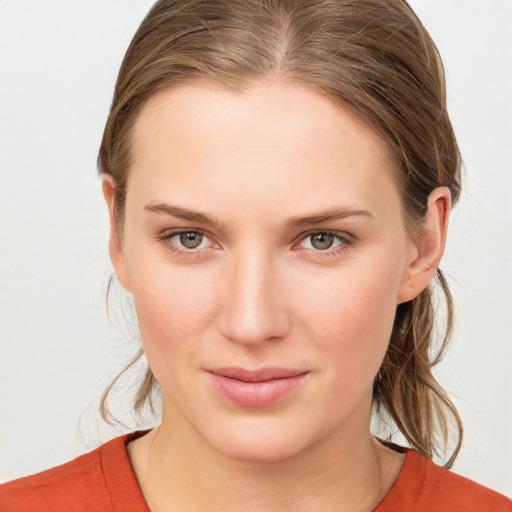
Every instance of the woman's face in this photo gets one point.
(265, 248)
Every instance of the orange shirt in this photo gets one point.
(103, 481)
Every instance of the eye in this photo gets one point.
(187, 241)
(321, 241)
(326, 242)
(190, 239)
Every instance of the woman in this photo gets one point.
(279, 176)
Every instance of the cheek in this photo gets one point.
(352, 323)
(356, 299)
(174, 307)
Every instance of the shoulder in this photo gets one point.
(61, 486)
(456, 492)
(81, 484)
(424, 486)
(450, 485)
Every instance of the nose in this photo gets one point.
(253, 309)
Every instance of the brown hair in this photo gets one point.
(373, 56)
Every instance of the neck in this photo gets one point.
(346, 471)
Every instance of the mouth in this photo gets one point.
(256, 388)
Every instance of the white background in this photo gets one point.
(58, 63)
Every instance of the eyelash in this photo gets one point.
(347, 241)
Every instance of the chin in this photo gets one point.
(265, 440)
(267, 451)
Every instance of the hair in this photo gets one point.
(375, 58)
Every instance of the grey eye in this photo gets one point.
(191, 239)
(322, 240)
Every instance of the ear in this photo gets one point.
(115, 247)
(427, 249)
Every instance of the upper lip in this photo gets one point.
(260, 375)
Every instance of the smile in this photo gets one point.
(259, 388)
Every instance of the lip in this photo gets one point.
(256, 388)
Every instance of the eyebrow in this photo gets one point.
(203, 218)
(326, 216)
(183, 213)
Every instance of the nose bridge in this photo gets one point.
(253, 309)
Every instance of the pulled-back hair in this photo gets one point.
(375, 58)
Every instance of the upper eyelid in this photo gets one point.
(337, 233)
(341, 234)
(173, 232)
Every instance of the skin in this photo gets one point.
(258, 292)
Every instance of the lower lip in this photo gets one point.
(256, 394)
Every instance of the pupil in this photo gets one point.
(322, 241)
(191, 239)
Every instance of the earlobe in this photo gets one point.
(429, 246)
(114, 246)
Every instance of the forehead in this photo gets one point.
(276, 142)
(204, 107)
